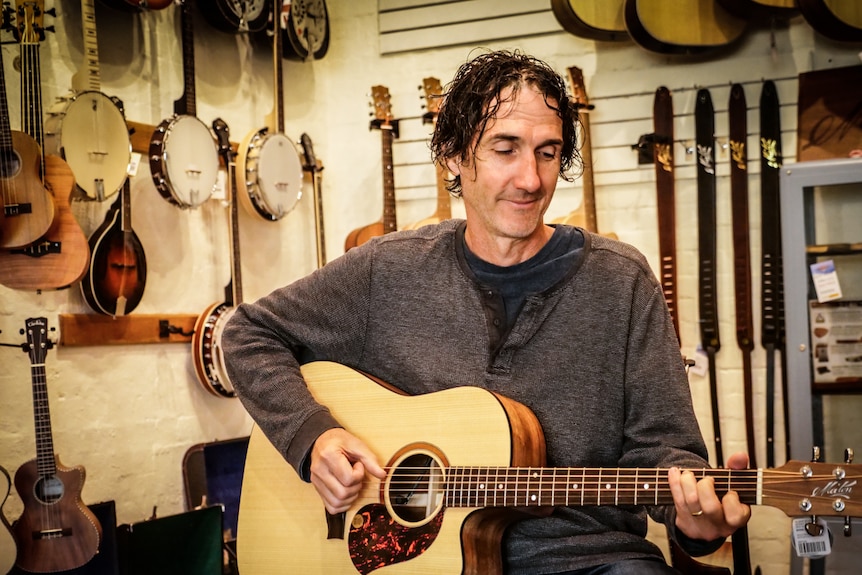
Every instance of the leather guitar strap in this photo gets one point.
(664, 181)
(772, 296)
(737, 113)
(704, 120)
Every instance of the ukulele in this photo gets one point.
(184, 160)
(115, 279)
(592, 19)
(461, 465)
(8, 552)
(682, 27)
(585, 215)
(56, 531)
(433, 95)
(388, 127)
(61, 256)
(27, 208)
(270, 173)
(87, 128)
(206, 340)
(312, 166)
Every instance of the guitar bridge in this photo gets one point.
(52, 533)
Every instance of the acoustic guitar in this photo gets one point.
(117, 275)
(8, 551)
(237, 15)
(87, 128)
(592, 19)
(60, 257)
(433, 94)
(760, 9)
(446, 500)
(383, 121)
(27, 207)
(682, 27)
(585, 214)
(839, 20)
(56, 531)
(206, 340)
(184, 160)
(269, 182)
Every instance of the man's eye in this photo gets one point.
(505, 152)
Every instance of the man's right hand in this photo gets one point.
(339, 462)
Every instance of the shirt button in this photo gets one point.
(496, 322)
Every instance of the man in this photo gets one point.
(571, 324)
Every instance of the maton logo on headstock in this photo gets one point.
(835, 489)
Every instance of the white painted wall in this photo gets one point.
(128, 413)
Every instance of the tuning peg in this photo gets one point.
(848, 455)
(815, 453)
(51, 12)
(848, 528)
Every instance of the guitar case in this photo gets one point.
(106, 561)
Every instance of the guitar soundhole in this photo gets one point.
(10, 164)
(49, 490)
(414, 488)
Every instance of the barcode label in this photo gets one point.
(807, 541)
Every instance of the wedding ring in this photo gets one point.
(698, 514)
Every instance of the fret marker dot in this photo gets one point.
(574, 486)
(646, 485)
(500, 486)
(607, 485)
(481, 486)
(532, 497)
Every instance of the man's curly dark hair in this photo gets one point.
(472, 99)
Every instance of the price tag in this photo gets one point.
(807, 545)
(825, 281)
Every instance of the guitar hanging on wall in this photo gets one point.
(87, 128)
(8, 552)
(383, 121)
(61, 256)
(313, 167)
(206, 339)
(269, 172)
(56, 531)
(433, 95)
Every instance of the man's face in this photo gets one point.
(509, 183)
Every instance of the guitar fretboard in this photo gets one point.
(91, 45)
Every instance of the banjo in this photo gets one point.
(183, 155)
(87, 128)
(269, 171)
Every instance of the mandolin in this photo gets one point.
(383, 121)
(585, 215)
(60, 257)
(461, 465)
(27, 207)
(87, 128)
(269, 172)
(115, 279)
(839, 20)
(433, 94)
(593, 19)
(184, 160)
(682, 27)
(56, 531)
(206, 339)
(237, 15)
(8, 552)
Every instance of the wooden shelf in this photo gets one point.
(140, 134)
(833, 249)
(96, 329)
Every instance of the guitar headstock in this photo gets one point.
(308, 154)
(579, 89)
(381, 102)
(38, 344)
(803, 488)
(433, 96)
(30, 19)
(222, 134)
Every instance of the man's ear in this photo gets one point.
(453, 165)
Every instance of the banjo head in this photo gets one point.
(93, 138)
(185, 162)
(275, 169)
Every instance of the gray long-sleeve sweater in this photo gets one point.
(595, 357)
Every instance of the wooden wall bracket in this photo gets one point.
(96, 329)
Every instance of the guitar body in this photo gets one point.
(61, 257)
(839, 20)
(8, 551)
(88, 130)
(115, 280)
(270, 182)
(236, 15)
(184, 161)
(500, 432)
(68, 531)
(28, 206)
(760, 8)
(592, 19)
(682, 27)
(362, 234)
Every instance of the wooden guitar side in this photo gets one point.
(839, 20)
(682, 27)
(592, 19)
(361, 235)
(61, 257)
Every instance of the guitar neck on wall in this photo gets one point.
(87, 128)
(388, 127)
(312, 166)
(445, 502)
(56, 531)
